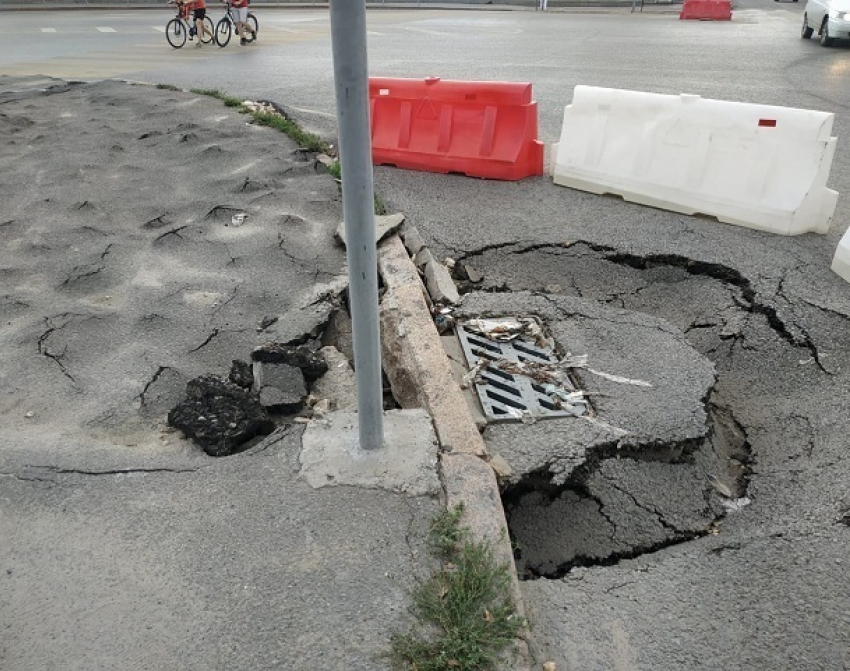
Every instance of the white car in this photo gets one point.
(830, 19)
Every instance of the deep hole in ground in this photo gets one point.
(622, 504)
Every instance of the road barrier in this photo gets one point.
(706, 10)
(841, 260)
(480, 129)
(757, 166)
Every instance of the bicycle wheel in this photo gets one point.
(222, 32)
(209, 35)
(175, 33)
(254, 24)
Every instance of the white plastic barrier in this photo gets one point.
(841, 260)
(758, 166)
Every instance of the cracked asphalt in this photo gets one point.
(646, 570)
(760, 588)
(124, 545)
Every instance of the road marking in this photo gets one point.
(426, 31)
(48, 30)
(375, 32)
(106, 29)
(159, 29)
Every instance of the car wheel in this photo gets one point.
(825, 39)
(807, 30)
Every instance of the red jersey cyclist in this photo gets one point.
(240, 15)
(199, 12)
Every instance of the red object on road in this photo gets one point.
(479, 129)
(707, 10)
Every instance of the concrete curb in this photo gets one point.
(421, 376)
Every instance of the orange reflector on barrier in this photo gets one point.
(707, 10)
(480, 129)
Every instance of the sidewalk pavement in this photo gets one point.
(123, 544)
(187, 562)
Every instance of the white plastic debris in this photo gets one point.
(719, 486)
(238, 219)
(735, 505)
(506, 329)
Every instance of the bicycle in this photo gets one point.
(227, 25)
(182, 26)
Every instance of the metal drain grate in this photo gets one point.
(506, 396)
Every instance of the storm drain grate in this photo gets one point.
(507, 396)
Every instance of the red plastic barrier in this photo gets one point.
(707, 10)
(480, 129)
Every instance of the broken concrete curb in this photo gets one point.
(414, 359)
(385, 225)
(421, 376)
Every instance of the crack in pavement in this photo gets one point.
(750, 303)
(89, 270)
(159, 371)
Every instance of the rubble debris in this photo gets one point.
(411, 238)
(719, 486)
(267, 321)
(220, 416)
(443, 318)
(338, 385)
(326, 162)
(385, 225)
(311, 363)
(279, 385)
(500, 467)
(260, 106)
(238, 219)
(339, 332)
(507, 329)
(423, 258)
(468, 273)
(241, 374)
(440, 284)
(734, 505)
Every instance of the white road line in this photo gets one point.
(375, 32)
(425, 31)
(106, 29)
(159, 29)
(48, 30)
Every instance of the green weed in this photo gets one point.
(465, 612)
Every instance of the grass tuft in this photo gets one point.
(465, 609)
(335, 170)
(168, 87)
(304, 139)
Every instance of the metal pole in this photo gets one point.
(351, 76)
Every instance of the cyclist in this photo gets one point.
(199, 12)
(241, 16)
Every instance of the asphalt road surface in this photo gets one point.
(763, 588)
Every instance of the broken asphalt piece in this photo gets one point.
(241, 374)
(279, 385)
(219, 416)
(311, 363)
(411, 238)
(326, 163)
(384, 226)
(465, 272)
(440, 284)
